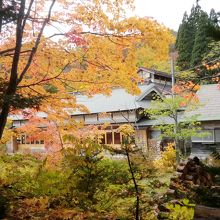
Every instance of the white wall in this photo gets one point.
(120, 117)
(132, 116)
(91, 119)
(78, 118)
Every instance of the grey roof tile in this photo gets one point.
(119, 100)
(209, 98)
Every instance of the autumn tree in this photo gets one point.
(97, 50)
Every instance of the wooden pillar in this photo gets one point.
(14, 144)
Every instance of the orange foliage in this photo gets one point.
(97, 50)
(212, 66)
(187, 90)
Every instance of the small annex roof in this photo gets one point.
(160, 89)
(209, 103)
(155, 72)
(153, 122)
(152, 88)
(119, 100)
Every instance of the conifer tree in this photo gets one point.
(196, 36)
(214, 25)
(200, 45)
(184, 43)
(186, 37)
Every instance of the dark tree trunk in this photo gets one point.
(14, 79)
(12, 86)
(137, 211)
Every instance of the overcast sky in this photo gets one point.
(170, 12)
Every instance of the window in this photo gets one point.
(208, 137)
(16, 123)
(24, 139)
(154, 134)
(144, 74)
(217, 135)
(117, 138)
(111, 136)
(102, 139)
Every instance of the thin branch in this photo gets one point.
(27, 14)
(200, 65)
(96, 34)
(116, 42)
(12, 53)
(44, 79)
(6, 51)
(34, 49)
(81, 81)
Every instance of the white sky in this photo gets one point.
(170, 12)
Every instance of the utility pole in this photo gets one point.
(172, 74)
(173, 56)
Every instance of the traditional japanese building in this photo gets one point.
(118, 108)
(122, 108)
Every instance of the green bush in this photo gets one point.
(182, 211)
(87, 183)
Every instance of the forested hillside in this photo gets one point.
(198, 42)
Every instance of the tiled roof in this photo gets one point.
(155, 72)
(209, 97)
(208, 107)
(119, 100)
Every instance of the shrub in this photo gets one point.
(168, 158)
(182, 211)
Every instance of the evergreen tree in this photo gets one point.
(184, 43)
(186, 37)
(212, 52)
(213, 16)
(201, 40)
(197, 34)
(213, 27)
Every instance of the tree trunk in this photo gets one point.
(14, 80)
(137, 211)
(12, 86)
(177, 147)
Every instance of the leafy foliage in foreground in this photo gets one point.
(168, 158)
(181, 211)
(81, 187)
